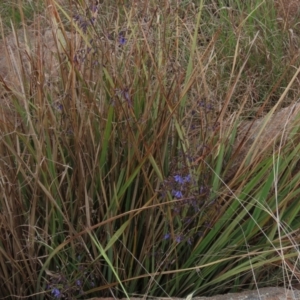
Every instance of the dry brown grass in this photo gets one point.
(288, 10)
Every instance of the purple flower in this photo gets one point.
(203, 190)
(208, 225)
(122, 40)
(126, 95)
(78, 282)
(177, 209)
(92, 20)
(56, 293)
(177, 194)
(187, 220)
(178, 238)
(94, 8)
(179, 179)
(187, 178)
(166, 236)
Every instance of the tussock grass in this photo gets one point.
(114, 168)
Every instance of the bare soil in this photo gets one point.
(271, 293)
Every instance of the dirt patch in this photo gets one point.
(263, 136)
(262, 294)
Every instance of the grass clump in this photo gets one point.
(116, 155)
